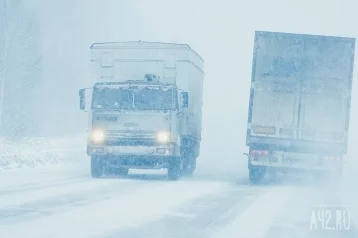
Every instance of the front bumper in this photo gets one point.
(113, 150)
(135, 157)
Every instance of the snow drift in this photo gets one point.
(41, 151)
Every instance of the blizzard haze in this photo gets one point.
(221, 32)
(40, 99)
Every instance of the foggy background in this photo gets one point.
(220, 31)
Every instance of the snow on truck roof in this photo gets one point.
(144, 44)
(305, 35)
(134, 82)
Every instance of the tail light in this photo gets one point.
(259, 153)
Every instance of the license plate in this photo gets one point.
(295, 158)
(291, 161)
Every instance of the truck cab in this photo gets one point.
(135, 124)
(144, 105)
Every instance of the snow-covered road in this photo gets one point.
(50, 202)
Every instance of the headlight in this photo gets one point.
(163, 137)
(98, 136)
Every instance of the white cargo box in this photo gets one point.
(132, 60)
(121, 61)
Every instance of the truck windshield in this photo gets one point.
(153, 99)
(112, 98)
(148, 98)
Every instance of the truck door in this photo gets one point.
(325, 90)
(276, 86)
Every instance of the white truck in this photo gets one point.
(145, 107)
(299, 106)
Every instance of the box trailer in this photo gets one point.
(299, 107)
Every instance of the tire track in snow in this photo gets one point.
(257, 218)
(69, 200)
(34, 186)
(199, 218)
(125, 210)
(308, 199)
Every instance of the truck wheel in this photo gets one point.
(255, 175)
(96, 166)
(122, 172)
(189, 167)
(174, 170)
(188, 172)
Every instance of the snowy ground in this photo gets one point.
(41, 152)
(63, 201)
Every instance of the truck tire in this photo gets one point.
(256, 174)
(174, 170)
(189, 167)
(122, 172)
(96, 166)
(188, 172)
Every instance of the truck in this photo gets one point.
(299, 105)
(144, 106)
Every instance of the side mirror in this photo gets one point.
(185, 99)
(82, 94)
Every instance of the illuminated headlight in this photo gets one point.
(98, 136)
(163, 137)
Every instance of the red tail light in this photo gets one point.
(259, 153)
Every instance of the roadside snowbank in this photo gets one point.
(41, 151)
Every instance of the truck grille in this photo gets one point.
(131, 142)
(130, 138)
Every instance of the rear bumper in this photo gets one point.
(282, 166)
(296, 145)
